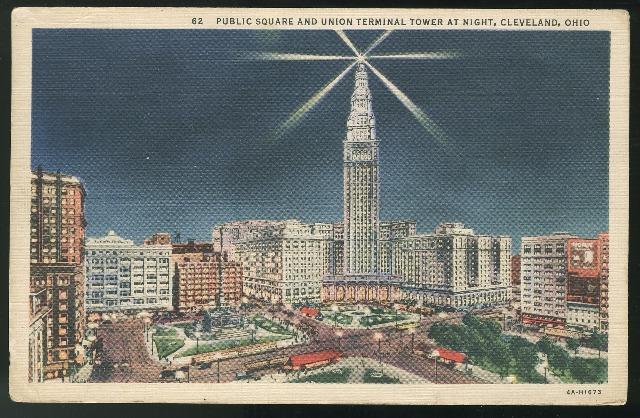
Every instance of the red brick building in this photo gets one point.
(57, 277)
(604, 281)
(63, 285)
(57, 218)
(583, 283)
(203, 278)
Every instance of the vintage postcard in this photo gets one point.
(319, 206)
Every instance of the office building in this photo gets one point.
(122, 276)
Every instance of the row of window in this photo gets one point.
(548, 249)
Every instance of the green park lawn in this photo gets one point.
(167, 345)
(270, 326)
(370, 377)
(329, 376)
(165, 332)
(372, 320)
(340, 318)
(222, 345)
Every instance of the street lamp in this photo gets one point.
(147, 322)
(339, 334)
(395, 308)
(335, 310)
(435, 362)
(412, 331)
(378, 336)
(92, 339)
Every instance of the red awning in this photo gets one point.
(306, 310)
(310, 358)
(450, 355)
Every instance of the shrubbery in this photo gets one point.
(486, 346)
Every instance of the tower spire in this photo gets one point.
(361, 122)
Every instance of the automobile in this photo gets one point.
(242, 376)
(203, 366)
(167, 374)
(107, 322)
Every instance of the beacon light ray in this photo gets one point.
(277, 56)
(347, 41)
(377, 42)
(435, 55)
(309, 104)
(420, 115)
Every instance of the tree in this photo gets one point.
(573, 344)
(599, 341)
(544, 345)
(525, 356)
(206, 322)
(558, 358)
(589, 370)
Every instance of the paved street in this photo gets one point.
(125, 358)
(124, 355)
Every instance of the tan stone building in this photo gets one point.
(454, 267)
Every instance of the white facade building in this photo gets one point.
(123, 276)
(282, 261)
(454, 267)
(583, 316)
(543, 279)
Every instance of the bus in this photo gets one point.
(312, 360)
(407, 325)
(255, 366)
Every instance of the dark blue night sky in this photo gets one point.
(169, 129)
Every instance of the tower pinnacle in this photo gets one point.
(361, 123)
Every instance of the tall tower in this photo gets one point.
(361, 183)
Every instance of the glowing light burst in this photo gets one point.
(421, 116)
(310, 104)
(425, 121)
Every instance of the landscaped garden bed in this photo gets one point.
(339, 375)
(271, 326)
(166, 346)
(375, 376)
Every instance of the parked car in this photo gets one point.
(167, 374)
(242, 376)
(203, 366)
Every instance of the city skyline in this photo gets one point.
(252, 178)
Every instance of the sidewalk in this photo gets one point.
(83, 374)
(482, 374)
